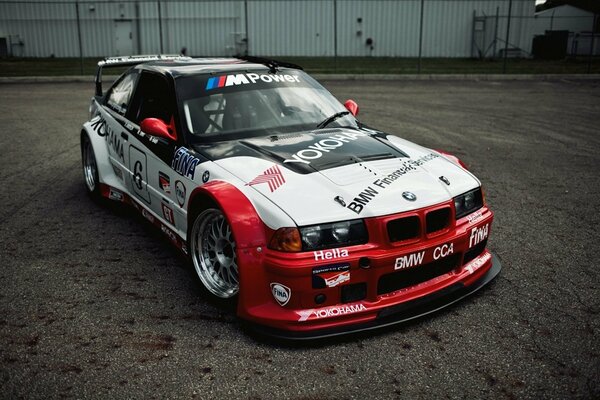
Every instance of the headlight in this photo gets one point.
(337, 234)
(468, 202)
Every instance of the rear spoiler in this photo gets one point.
(110, 62)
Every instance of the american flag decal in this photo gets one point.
(272, 176)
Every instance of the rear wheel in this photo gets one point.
(212, 249)
(90, 168)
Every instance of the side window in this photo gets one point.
(153, 99)
(120, 94)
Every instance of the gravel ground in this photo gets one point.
(96, 304)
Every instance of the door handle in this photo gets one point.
(124, 135)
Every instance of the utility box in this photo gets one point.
(4, 46)
(550, 46)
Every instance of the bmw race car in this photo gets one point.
(285, 203)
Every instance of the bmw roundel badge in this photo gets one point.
(410, 196)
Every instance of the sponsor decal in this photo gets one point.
(115, 195)
(147, 215)
(168, 213)
(328, 312)
(478, 263)
(330, 276)
(272, 176)
(330, 254)
(478, 234)
(180, 193)
(102, 128)
(184, 163)
(169, 233)
(164, 182)
(443, 251)
(409, 260)
(184, 248)
(474, 216)
(368, 194)
(205, 176)
(281, 293)
(317, 149)
(249, 78)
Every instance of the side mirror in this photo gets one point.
(352, 107)
(157, 127)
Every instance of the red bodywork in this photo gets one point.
(459, 249)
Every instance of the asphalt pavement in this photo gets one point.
(94, 303)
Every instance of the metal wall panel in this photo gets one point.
(275, 28)
(291, 28)
(43, 30)
(392, 25)
(204, 28)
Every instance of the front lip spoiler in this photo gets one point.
(392, 315)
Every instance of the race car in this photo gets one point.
(313, 223)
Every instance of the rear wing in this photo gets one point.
(111, 62)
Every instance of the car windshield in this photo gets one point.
(223, 107)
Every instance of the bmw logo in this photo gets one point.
(410, 196)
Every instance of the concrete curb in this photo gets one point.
(345, 77)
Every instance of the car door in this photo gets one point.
(153, 183)
(112, 124)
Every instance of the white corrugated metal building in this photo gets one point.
(381, 28)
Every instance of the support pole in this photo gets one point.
(507, 36)
(591, 56)
(335, 44)
(79, 38)
(421, 37)
(160, 33)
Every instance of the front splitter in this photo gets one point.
(392, 315)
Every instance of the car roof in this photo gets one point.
(195, 66)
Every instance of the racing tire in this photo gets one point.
(212, 252)
(90, 168)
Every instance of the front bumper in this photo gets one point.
(394, 314)
(333, 292)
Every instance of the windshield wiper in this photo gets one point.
(332, 118)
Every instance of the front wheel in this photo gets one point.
(212, 249)
(90, 168)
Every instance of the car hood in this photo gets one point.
(340, 174)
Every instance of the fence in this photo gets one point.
(317, 28)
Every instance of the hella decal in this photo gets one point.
(478, 234)
(184, 163)
(410, 260)
(317, 149)
(281, 293)
(271, 176)
(245, 79)
(330, 254)
(331, 311)
(474, 216)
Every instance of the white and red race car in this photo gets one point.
(314, 223)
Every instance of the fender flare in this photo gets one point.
(106, 174)
(250, 233)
